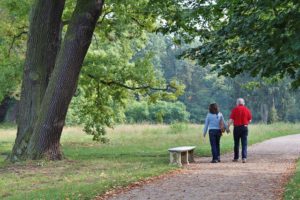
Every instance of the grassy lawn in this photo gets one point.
(292, 191)
(134, 152)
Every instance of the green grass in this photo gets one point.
(292, 190)
(135, 152)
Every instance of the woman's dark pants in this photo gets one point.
(214, 138)
(240, 133)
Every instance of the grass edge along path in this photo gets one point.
(292, 189)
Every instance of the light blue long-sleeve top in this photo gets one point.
(212, 121)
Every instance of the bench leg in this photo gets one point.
(175, 158)
(191, 156)
(185, 157)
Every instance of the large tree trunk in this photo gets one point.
(45, 141)
(42, 48)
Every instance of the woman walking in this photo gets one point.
(214, 123)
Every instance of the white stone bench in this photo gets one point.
(181, 155)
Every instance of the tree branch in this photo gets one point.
(109, 83)
(102, 19)
(137, 22)
(14, 40)
(96, 40)
(66, 22)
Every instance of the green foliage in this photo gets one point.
(137, 112)
(168, 112)
(111, 69)
(13, 32)
(10, 70)
(73, 116)
(204, 86)
(113, 74)
(293, 110)
(159, 112)
(261, 37)
(124, 54)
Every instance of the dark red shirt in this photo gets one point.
(241, 115)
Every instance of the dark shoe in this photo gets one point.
(213, 161)
(235, 160)
(219, 160)
(244, 160)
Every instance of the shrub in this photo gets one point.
(160, 112)
(137, 112)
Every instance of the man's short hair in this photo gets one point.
(240, 101)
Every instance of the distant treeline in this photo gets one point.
(269, 99)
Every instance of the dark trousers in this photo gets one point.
(214, 138)
(240, 133)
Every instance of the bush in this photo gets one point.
(137, 112)
(160, 112)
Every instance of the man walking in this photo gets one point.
(240, 117)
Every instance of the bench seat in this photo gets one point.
(181, 155)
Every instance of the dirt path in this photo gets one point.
(268, 167)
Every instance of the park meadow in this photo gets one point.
(133, 153)
(71, 70)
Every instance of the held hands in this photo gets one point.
(228, 130)
(228, 126)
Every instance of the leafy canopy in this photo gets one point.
(259, 37)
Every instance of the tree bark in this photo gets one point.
(42, 48)
(45, 141)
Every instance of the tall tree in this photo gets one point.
(53, 65)
(42, 48)
(44, 105)
(47, 131)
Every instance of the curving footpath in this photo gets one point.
(267, 170)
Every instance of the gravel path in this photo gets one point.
(268, 167)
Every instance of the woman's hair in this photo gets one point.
(213, 108)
